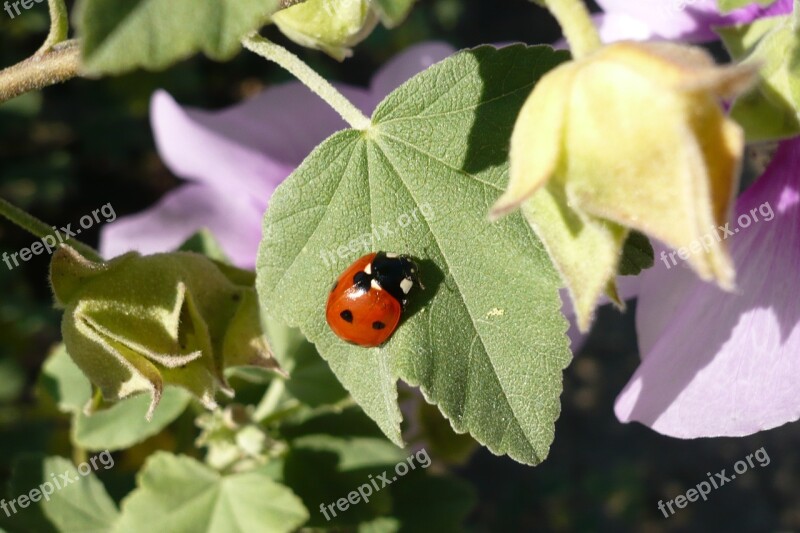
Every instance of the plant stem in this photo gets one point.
(578, 27)
(59, 63)
(33, 225)
(59, 25)
(283, 57)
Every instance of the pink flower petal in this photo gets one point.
(720, 364)
(238, 156)
(235, 222)
(209, 148)
(685, 20)
(405, 65)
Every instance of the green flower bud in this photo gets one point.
(332, 26)
(134, 323)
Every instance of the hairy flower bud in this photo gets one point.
(134, 324)
(632, 136)
(332, 26)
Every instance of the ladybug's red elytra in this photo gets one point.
(368, 299)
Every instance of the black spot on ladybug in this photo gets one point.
(362, 280)
(346, 315)
(378, 325)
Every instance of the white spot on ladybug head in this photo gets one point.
(375, 285)
(391, 255)
(368, 269)
(406, 285)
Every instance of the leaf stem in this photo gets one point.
(580, 31)
(283, 57)
(59, 63)
(33, 225)
(59, 25)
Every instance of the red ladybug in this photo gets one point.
(367, 300)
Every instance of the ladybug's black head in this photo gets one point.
(396, 274)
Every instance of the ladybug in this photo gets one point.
(367, 301)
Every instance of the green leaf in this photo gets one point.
(63, 381)
(393, 12)
(121, 35)
(204, 242)
(729, 5)
(123, 424)
(771, 109)
(322, 469)
(119, 426)
(637, 255)
(311, 380)
(81, 505)
(485, 339)
(179, 494)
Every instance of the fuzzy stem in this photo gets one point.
(59, 63)
(33, 225)
(578, 27)
(283, 57)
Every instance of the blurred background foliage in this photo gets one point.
(75, 147)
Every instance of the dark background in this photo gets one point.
(75, 147)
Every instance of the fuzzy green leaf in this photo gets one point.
(771, 109)
(485, 339)
(637, 254)
(119, 426)
(82, 504)
(121, 35)
(179, 494)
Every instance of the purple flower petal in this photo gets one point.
(720, 364)
(238, 156)
(234, 221)
(405, 65)
(685, 20)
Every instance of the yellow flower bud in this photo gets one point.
(632, 136)
(332, 26)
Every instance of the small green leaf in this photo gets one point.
(63, 381)
(119, 426)
(637, 255)
(485, 340)
(393, 12)
(322, 469)
(179, 494)
(771, 109)
(204, 242)
(121, 35)
(310, 378)
(727, 6)
(79, 505)
(123, 424)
